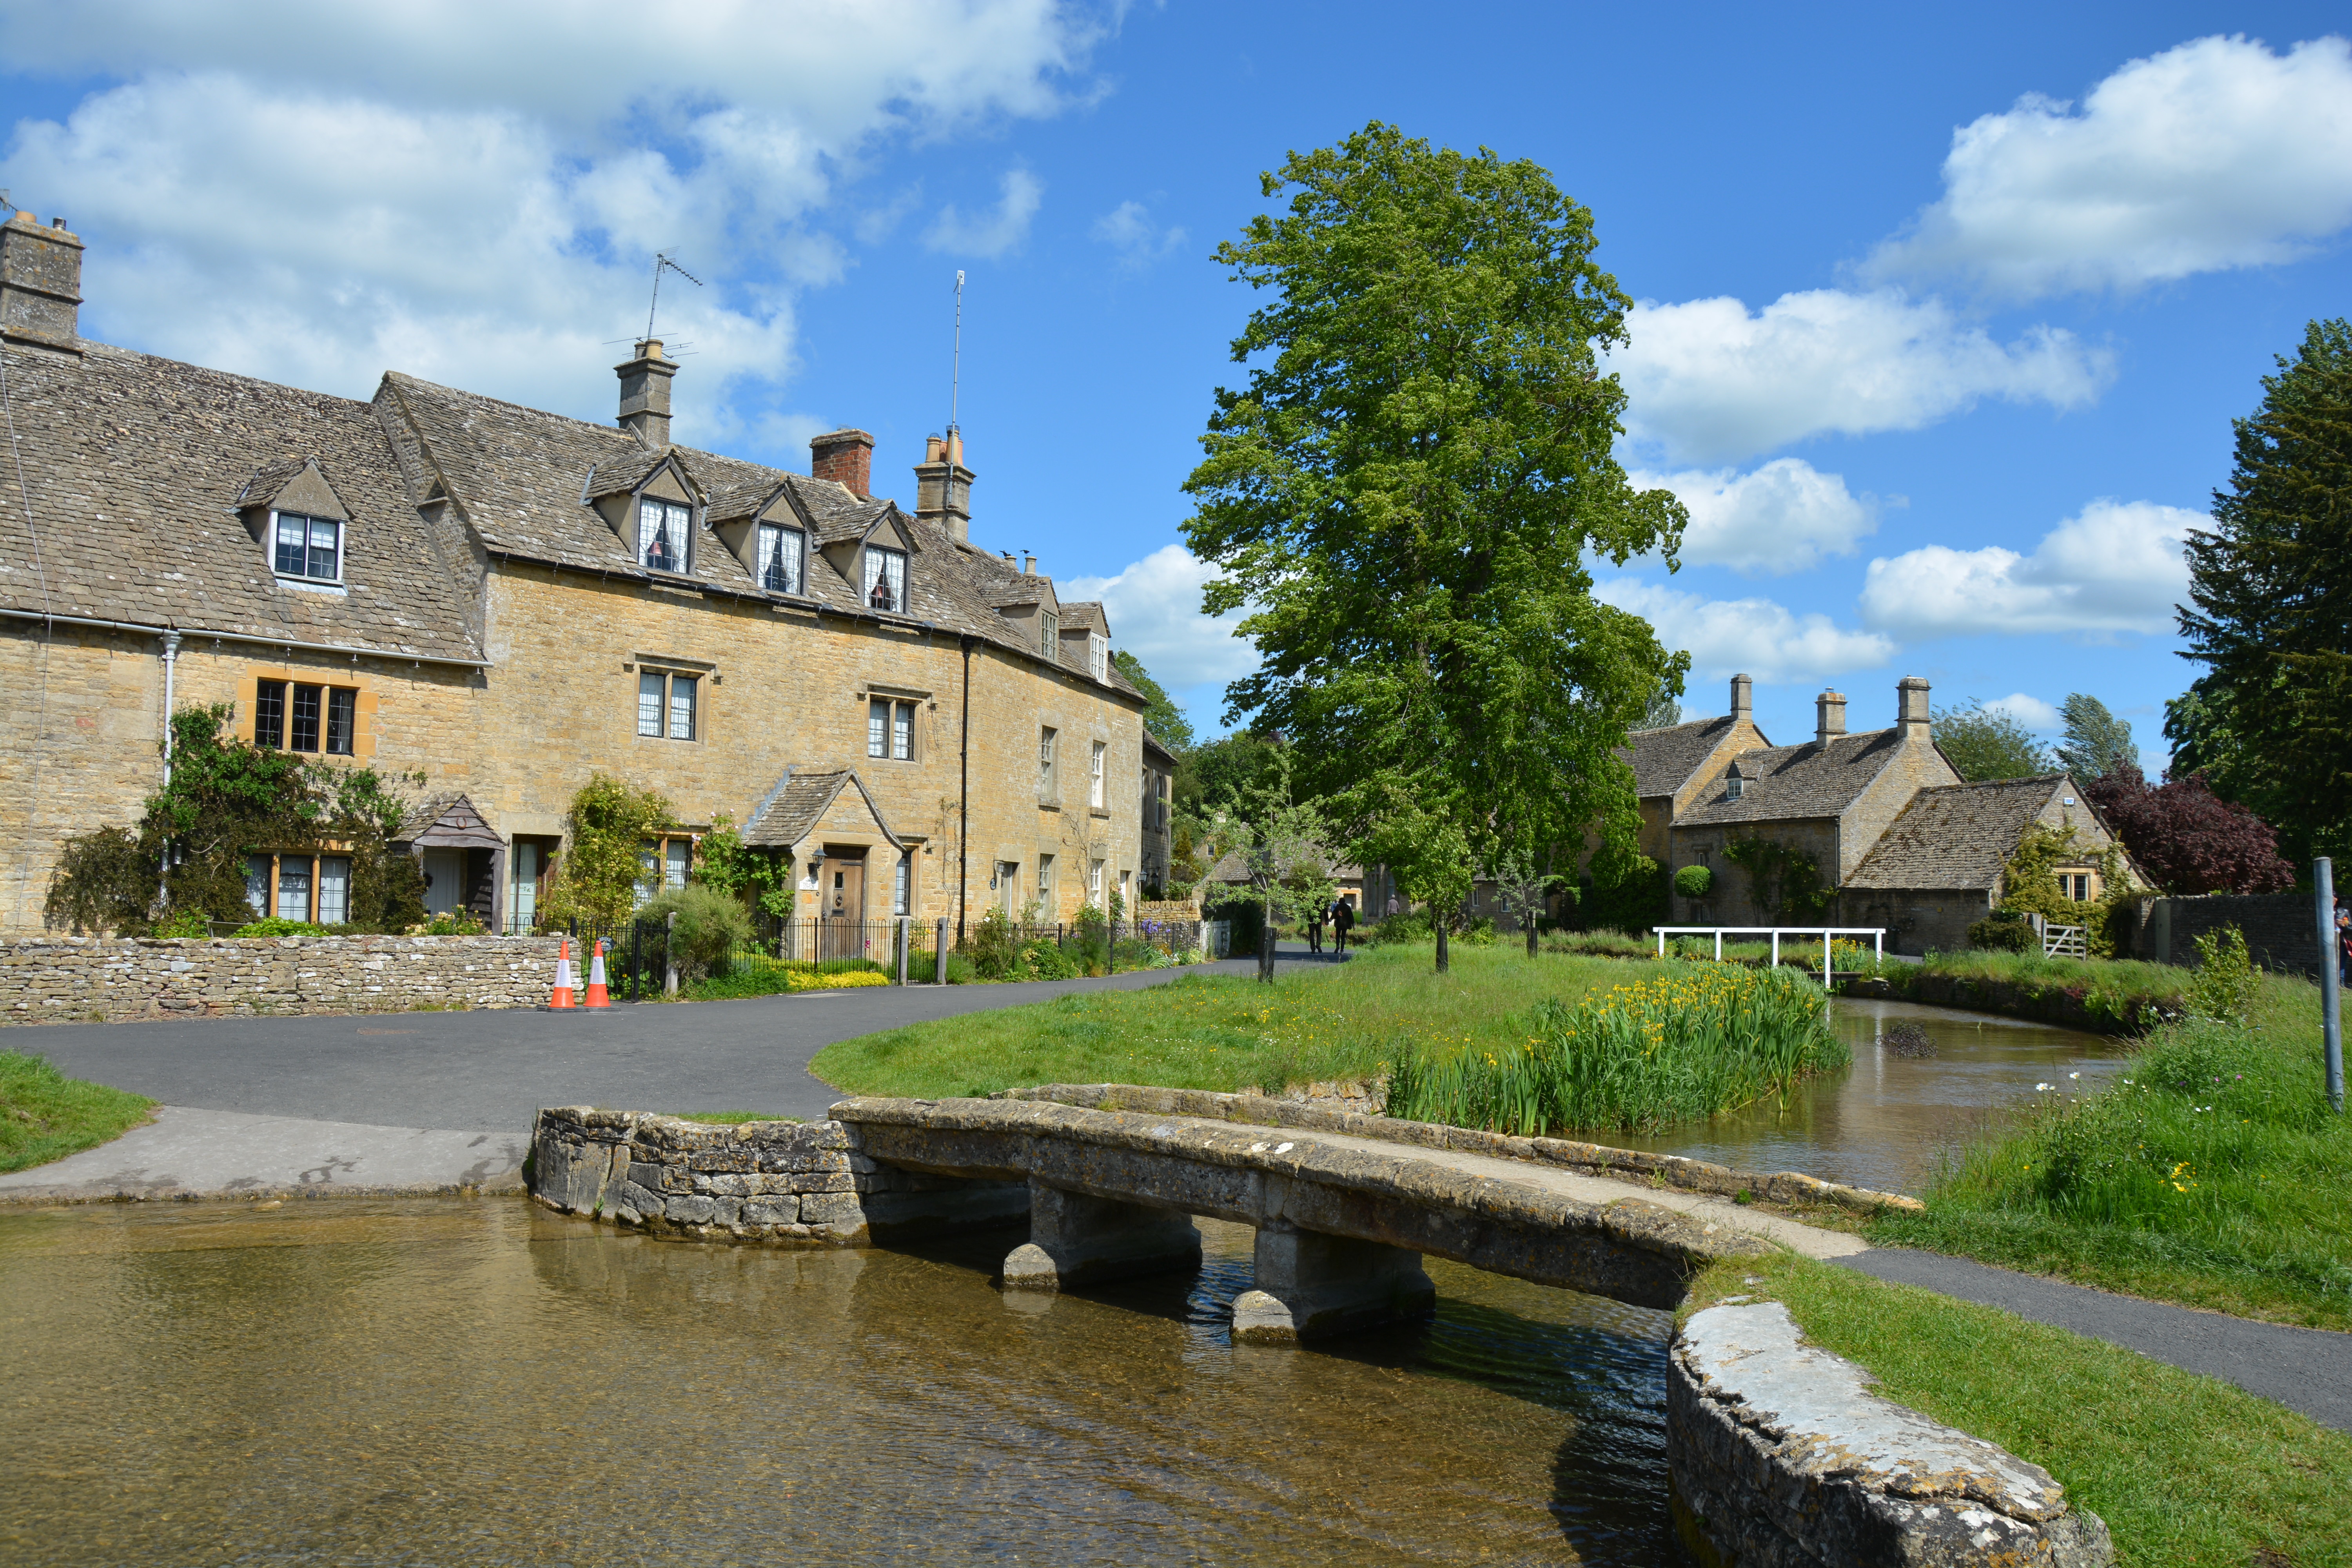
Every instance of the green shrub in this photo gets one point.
(1412, 925)
(710, 927)
(990, 948)
(274, 926)
(1693, 881)
(1042, 959)
(2225, 981)
(2001, 931)
(185, 923)
(450, 922)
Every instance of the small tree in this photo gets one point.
(1274, 836)
(2097, 742)
(602, 865)
(1414, 833)
(1984, 743)
(1521, 890)
(2187, 838)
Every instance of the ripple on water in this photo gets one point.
(482, 1382)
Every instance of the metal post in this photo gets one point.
(1776, 947)
(1825, 962)
(906, 940)
(1878, 948)
(2331, 998)
(939, 954)
(1718, 945)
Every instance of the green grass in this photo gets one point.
(1683, 1041)
(2185, 1469)
(749, 976)
(2211, 1173)
(729, 1118)
(45, 1116)
(1227, 1031)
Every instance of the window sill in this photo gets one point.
(1049, 805)
(312, 586)
(1098, 811)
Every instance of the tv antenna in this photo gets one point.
(955, 375)
(663, 263)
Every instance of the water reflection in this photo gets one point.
(480, 1382)
(1882, 1122)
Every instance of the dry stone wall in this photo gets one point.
(107, 980)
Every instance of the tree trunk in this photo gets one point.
(1266, 942)
(1439, 921)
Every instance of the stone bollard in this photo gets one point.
(1075, 1240)
(1310, 1286)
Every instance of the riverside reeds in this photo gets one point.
(1693, 1040)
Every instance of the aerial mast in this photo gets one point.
(663, 263)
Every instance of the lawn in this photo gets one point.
(45, 1116)
(2185, 1469)
(2210, 1172)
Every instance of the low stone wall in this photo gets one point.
(785, 1184)
(1318, 1115)
(2282, 930)
(108, 980)
(1781, 1457)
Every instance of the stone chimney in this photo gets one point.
(1028, 564)
(1743, 698)
(645, 394)
(846, 458)
(40, 283)
(943, 486)
(1829, 716)
(1911, 708)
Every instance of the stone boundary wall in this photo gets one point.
(1788, 1187)
(2282, 928)
(112, 979)
(1781, 1457)
(787, 1183)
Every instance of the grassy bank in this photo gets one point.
(45, 1116)
(2113, 997)
(1227, 1031)
(2185, 1469)
(2212, 1173)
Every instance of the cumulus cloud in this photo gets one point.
(2028, 710)
(473, 193)
(1782, 517)
(2115, 568)
(993, 232)
(1757, 637)
(1128, 229)
(1154, 607)
(2216, 154)
(1708, 381)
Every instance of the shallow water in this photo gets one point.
(481, 1382)
(1882, 1122)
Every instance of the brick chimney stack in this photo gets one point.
(1911, 708)
(846, 458)
(1829, 711)
(943, 486)
(1743, 698)
(645, 395)
(40, 283)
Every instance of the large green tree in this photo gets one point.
(1984, 742)
(2097, 742)
(1407, 496)
(1162, 717)
(2271, 587)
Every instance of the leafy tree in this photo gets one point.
(1521, 889)
(228, 799)
(1280, 842)
(1162, 717)
(2202, 726)
(2270, 584)
(1984, 742)
(2097, 742)
(1409, 492)
(1423, 846)
(1212, 776)
(2187, 838)
(1664, 711)
(602, 865)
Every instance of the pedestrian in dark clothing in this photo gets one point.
(2343, 945)
(1314, 929)
(1343, 921)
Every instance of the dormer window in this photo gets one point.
(1049, 634)
(1734, 785)
(781, 552)
(311, 548)
(886, 578)
(1098, 657)
(663, 530)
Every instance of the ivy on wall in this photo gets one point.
(601, 867)
(2029, 885)
(1785, 882)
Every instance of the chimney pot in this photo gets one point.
(1742, 696)
(846, 458)
(1028, 564)
(943, 488)
(645, 394)
(1911, 706)
(1829, 709)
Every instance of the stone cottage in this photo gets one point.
(1939, 867)
(507, 600)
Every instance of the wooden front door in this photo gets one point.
(841, 923)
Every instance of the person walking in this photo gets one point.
(2344, 945)
(1343, 921)
(1315, 928)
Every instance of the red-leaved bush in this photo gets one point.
(2189, 839)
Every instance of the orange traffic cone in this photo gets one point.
(562, 997)
(597, 995)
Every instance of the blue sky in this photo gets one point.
(1945, 314)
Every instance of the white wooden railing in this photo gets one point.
(1877, 935)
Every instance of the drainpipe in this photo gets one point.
(964, 833)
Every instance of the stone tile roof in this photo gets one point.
(1663, 760)
(135, 466)
(1958, 835)
(799, 802)
(1022, 588)
(1809, 780)
(446, 819)
(1085, 616)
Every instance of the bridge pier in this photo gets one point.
(1075, 1240)
(1310, 1287)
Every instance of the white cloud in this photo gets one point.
(1708, 381)
(1127, 228)
(473, 193)
(1757, 637)
(2115, 568)
(2215, 154)
(2028, 710)
(1783, 517)
(990, 233)
(1154, 606)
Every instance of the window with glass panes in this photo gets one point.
(1095, 774)
(294, 716)
(666, 703)
(1045, 764)
(664, 528)
(1098, 657)
(903, 888)
(886, 578)
(306, 547)
(1049, 635)
(890, 730)
(779, 558)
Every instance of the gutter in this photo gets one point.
(139, 629)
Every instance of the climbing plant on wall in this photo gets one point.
(1786, 882)
(600, 868)
(725, 864)
(2029, 884)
